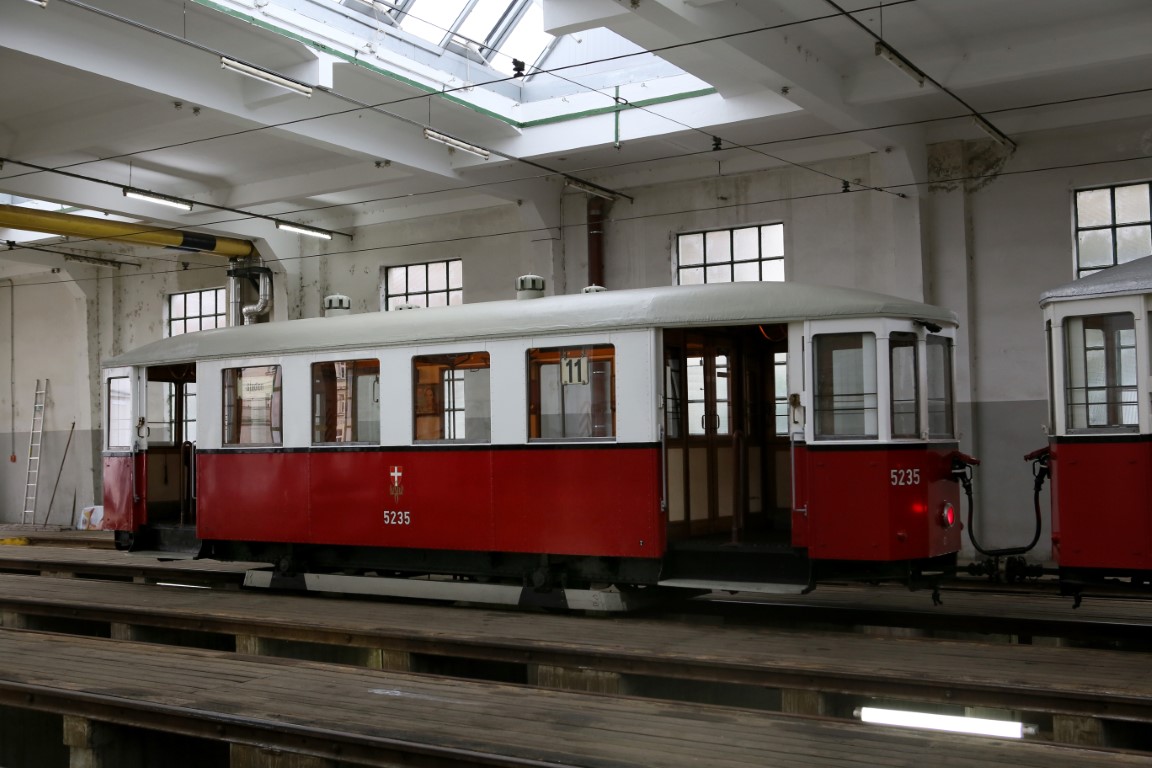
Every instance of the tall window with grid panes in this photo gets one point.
(1113, 226)
(432, 284)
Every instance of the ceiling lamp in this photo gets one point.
(591, 189)
(895, 59)
(300, 229)
(448, 141)
(262, 74)
(152, 197)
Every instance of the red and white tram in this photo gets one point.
(736, 436)
(1100, 440)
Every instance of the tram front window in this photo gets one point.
(1101, 367)
(845, 386)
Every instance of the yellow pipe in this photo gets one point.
(16, 217)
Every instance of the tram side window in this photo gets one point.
(346, 401)
(845, 378)
(940, 420)
(905, 376)
(252, 406)
(572, 392)
(1101, 359)
(119, 423)
(452, 398)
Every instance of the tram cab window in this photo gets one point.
(905, 384)
(346, 401)
(252, 406)
(940, 407)
(1101, 371)
(452, 398)
(119, 421)
(572, 392)
(161, 412)
(845, 376)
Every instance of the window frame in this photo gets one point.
(431, 399)
(1113, 227)
(712, 265)
(171, 319)
(351, 404)
(822, 372)
(230, 437)
(453, 294)
(1112, 354)
(598, 354)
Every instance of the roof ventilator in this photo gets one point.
(593, 289)
(529, 287)
(337, 305)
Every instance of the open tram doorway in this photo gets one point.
(727, 458)
(170, 492)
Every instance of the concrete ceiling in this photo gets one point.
(110, 93)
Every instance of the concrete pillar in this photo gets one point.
(94, 744)
(244, 756)
(578, 679)
(1081, 731)
(797, 702)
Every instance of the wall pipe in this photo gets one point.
(12, 363)
(69, 225)
(597, 212)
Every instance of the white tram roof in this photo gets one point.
(1124, 279)
(719, 304)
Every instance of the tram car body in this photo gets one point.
(1100, 438)
(745, 436)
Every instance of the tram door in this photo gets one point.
(702, 398)
(171, 430)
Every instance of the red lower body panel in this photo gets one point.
(577, 501)
(124, 508)
(882, 503)
(1101, 508)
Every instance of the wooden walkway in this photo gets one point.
(367, 717)
(127, 566)
(813, 672)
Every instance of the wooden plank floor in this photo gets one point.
(974, 611)
(266, 701)
(117, 564)
(1111, 684)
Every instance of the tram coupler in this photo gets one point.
(1017, 570)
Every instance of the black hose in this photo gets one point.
(1039, 471)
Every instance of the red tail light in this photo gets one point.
(948, 515)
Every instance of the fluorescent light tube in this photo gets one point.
(1005, 729)
(441, 138)
(590, 189)
(996, 134)
(152, 197)
(262, 74)
(300, 229)
(901, 63)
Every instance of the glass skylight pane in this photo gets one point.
(526, 42)
(481, 20)
(431, 19)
